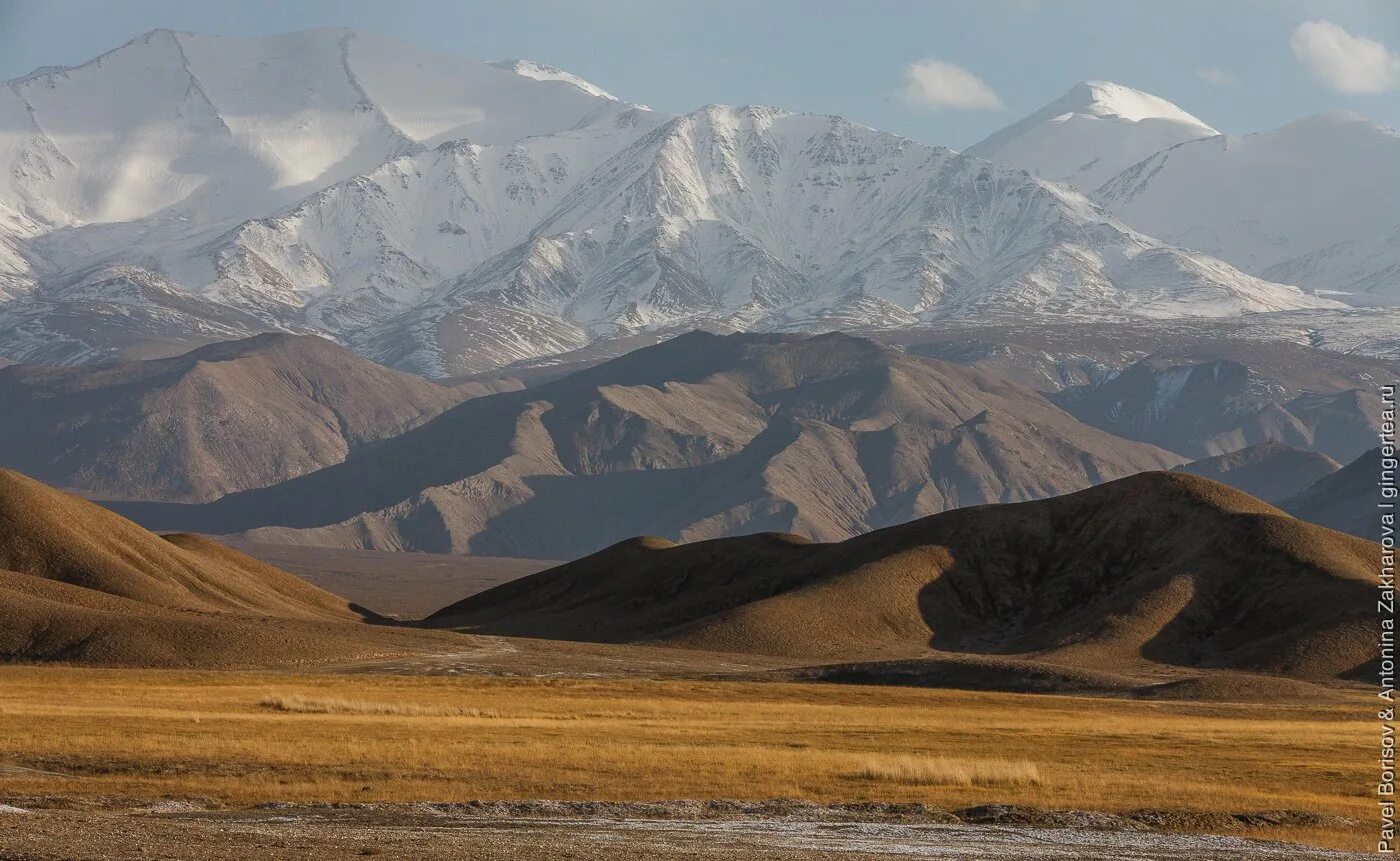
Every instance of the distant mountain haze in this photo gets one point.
(698, 437)
(1271, 471)
(225, 417)
(1306, 204)
(1346, 500)
(1219, 407)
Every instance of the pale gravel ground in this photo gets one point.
(84, 835)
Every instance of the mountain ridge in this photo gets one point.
(635, 246)
(1271, 471)
(1090, 134)
(1348, 500)
(448, 217)
(699, 436)
(1097, 580)
(322, 56)
(1274, 201)
(224, 417)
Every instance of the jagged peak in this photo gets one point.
(716, 115)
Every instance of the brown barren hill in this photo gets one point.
(1272, 471)
(81, 584)
(1158, 569)
(1346, 500)
(225, 417)
(698, 437)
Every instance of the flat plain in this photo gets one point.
(238, 739)
(399, 584)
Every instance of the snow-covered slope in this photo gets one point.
(1314, 202)
(542, 72)
(207, 128)
(758, 219)
(1361, 270)
(449, 216)
(369, 246)
(1090, 134)
(119, 311)
(131, 170)
(17, 276)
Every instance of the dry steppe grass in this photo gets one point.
(244, 738)
(949, 771)
(297, 704)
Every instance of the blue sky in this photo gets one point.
(1238, 64)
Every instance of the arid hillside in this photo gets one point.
(1272, 471)
(698, 437)
(1345, 500)
(1216, 407)
(1158, 569)
(81, 584)
(224, 417)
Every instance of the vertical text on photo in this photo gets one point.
(1385, 607)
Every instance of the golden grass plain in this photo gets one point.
(244, 738)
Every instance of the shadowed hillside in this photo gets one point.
(1155, 569)
(1346, 500)
(1206, 408)
(1272, 471)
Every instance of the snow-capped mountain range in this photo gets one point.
(447, 217)
(1091, 134)
(1311, 203)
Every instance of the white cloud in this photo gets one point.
(1218, 76)
(1349, 64)
(934, 84)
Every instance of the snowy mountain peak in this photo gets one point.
(542, 72)
(1091, 133)
(1107, 99)
(759, 219)
(450, 216)
(1309, 203)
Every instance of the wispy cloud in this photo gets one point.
(1349, 64)
(1218, 76)
(935, 85)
